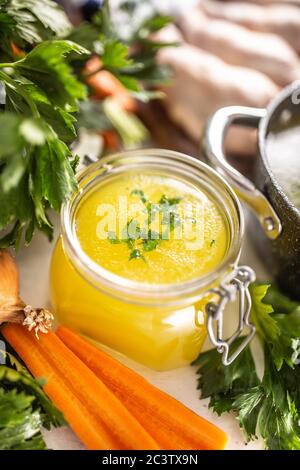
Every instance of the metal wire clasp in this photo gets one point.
(237, 282)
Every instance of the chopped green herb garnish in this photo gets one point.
(213, 242)
(140, 194)
(152, 210)
(152, 235)
(150, 245)
(112, 237)
(174, 221)
(129, 242)
(149, 239)
(136, 254)
(169, 215)
(170, 201)
(132, 230)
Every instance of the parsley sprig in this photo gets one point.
(269, 407)
(41, 84)
(24, 23)
(24, 408)
(123, 40)
(36, 164)
(40, 95)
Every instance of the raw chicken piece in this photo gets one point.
(237, 45)
(239, 140)
(268, 2)
(203, 83)
(169, 34)
(283, 20)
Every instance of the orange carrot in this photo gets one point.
(78, 416)
(111, 139)
(170, 423)
(17, 52)
(99, 419)
(105, 84)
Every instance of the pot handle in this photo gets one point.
(213, 146)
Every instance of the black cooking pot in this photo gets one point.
(278, 237)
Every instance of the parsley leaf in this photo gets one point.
(140, 194)
(18, 376)
(272, 328)
(19, 425)
(36, 167)
(46, 68)
(24, 409)
(125, 47)
(266, 326)
(280, 302)
(115, 55)
(112, 237)
(40, 87)
(264, 407)
(248, 406)
(28, 22)
(169, 201)
(270, 407)
(224, 382)
(53, 174)
(36, 172)
(278, 419)
(150, 245)
(136, 254)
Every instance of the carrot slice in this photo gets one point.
(111, 139)
(99, 419)
(17, 52)
(104, 84)
(78, 416)
(170, 423)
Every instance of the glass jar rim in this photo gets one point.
(134, 291)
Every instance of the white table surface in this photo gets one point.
(181, 383)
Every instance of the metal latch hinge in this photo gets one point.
(236, 284)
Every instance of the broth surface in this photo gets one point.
(283, 151)
(162, 260)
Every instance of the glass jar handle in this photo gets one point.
(236, 283)
(213, 146)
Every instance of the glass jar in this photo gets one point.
(160, 325)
